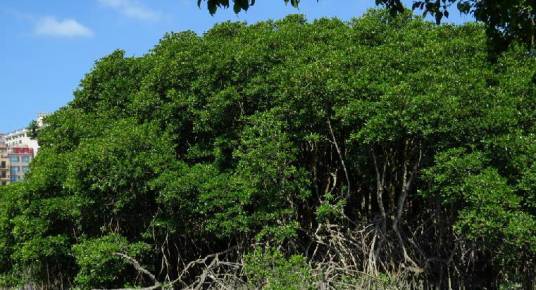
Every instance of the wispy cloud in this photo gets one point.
(131, 8)
(17, 14)
(50, 26)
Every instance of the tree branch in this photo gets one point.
(340, 157)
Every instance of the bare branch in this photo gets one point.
(340, 157)
(137, 266)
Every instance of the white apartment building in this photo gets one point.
(21, 138)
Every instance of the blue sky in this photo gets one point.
(46, 47)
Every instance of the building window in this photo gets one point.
(13, 178)
(25, 169)
(14, 159)
(26, 159)
(14, 170)
(3, 164)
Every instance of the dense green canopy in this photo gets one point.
(383, 145)
(505, 20)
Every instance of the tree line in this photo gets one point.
(505, 21)
(382, 152)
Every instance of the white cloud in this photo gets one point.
(131, 9)
(50, 26)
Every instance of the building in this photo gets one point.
(17, 150)
(4, 162)
(21, 137)
(19, 162)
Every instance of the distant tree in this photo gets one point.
(33, 127)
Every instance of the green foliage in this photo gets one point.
(238, 5)
(489, 211)
(506, 20)
(33, 128)
(256, 134)
(99, 263)
(8, 210)
(269, 269)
